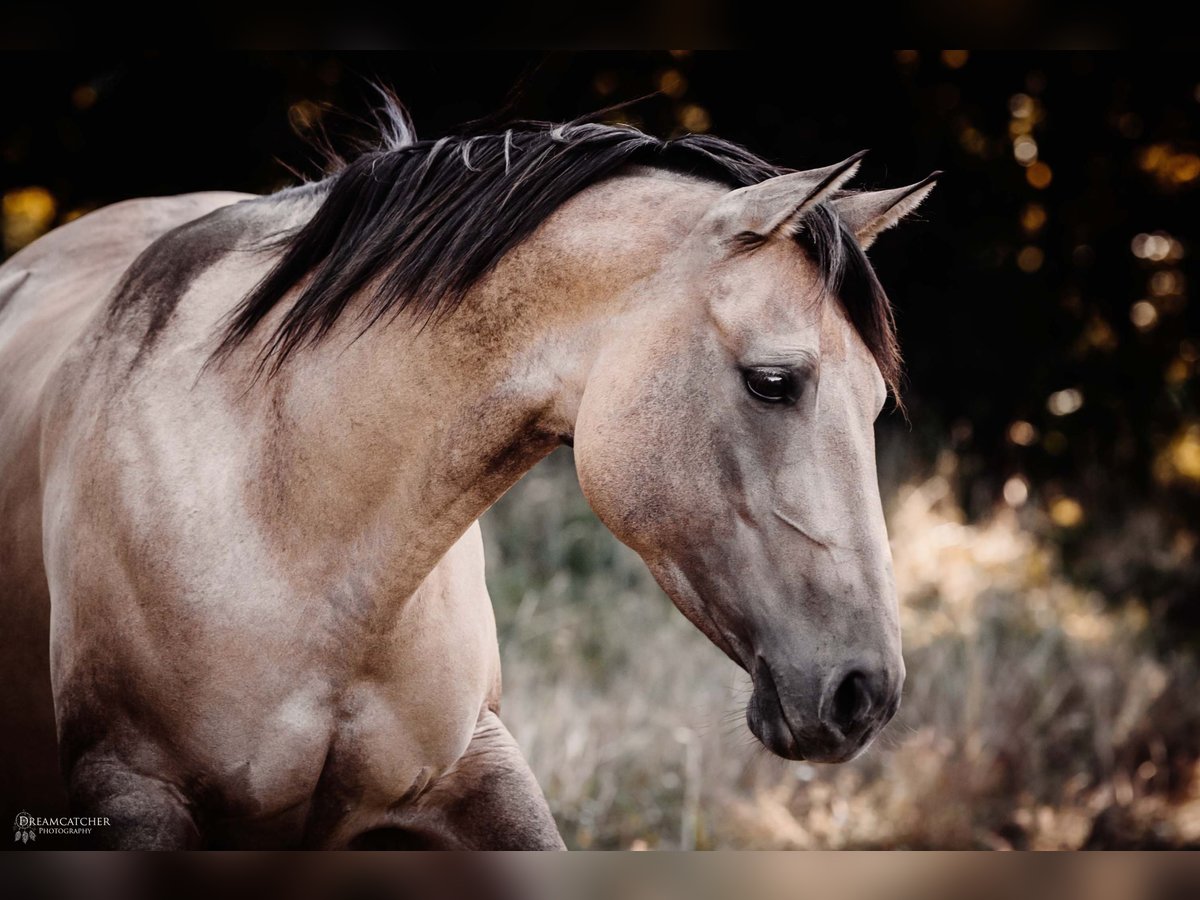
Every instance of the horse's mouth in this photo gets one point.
(765, 715)
(769, 721)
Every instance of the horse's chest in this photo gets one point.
(320, 761)
(353, 740)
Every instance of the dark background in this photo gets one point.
(1017, 281)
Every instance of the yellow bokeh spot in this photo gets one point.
(1169, 166)
(672, 83)
(1185, 453)
(1178, 371)
(954, 59)
(1030, 259)
(1150, 158)
(1180, 459)
(1099, 335)
(1019, 127)
(695, 118)
(1039, 175)
(1185, 167)
(1066, 512)
(1022, 433)
(28, 214)
(1033, 217)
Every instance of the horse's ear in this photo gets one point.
(774, 206)
(871, 212)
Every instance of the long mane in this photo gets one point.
(412, 225)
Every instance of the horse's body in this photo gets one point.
(293, 745)
(263, 597)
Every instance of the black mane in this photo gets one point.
(414, 224)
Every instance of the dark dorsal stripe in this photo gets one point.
(414, 224)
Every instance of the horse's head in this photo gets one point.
(726, 433)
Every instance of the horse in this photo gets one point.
(246, 441)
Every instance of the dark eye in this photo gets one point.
(771, 385)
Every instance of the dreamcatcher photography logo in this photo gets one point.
(28, 828)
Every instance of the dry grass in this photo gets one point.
(1035, 714)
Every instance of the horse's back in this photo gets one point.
(48, 293)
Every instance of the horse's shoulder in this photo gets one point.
(105, 282)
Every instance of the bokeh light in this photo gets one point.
(1030, 259)
(1039, 175)
(1025, 149)
(1066, 512)
(28, 213)
(1022, 433)
(1143, 315)
(1065, 402)
(1016, 491)
(694, 118)
(955, 59)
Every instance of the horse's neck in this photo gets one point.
(384, 450)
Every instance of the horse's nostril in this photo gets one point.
(851, 702)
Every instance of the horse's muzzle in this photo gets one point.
(821, 719)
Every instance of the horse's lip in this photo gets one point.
(768, 696)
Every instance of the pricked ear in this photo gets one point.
(773, 207)
(871, 212)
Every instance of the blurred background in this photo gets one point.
(1043, 493)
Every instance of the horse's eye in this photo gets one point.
(771, 385)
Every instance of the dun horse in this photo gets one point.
(245, 442)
